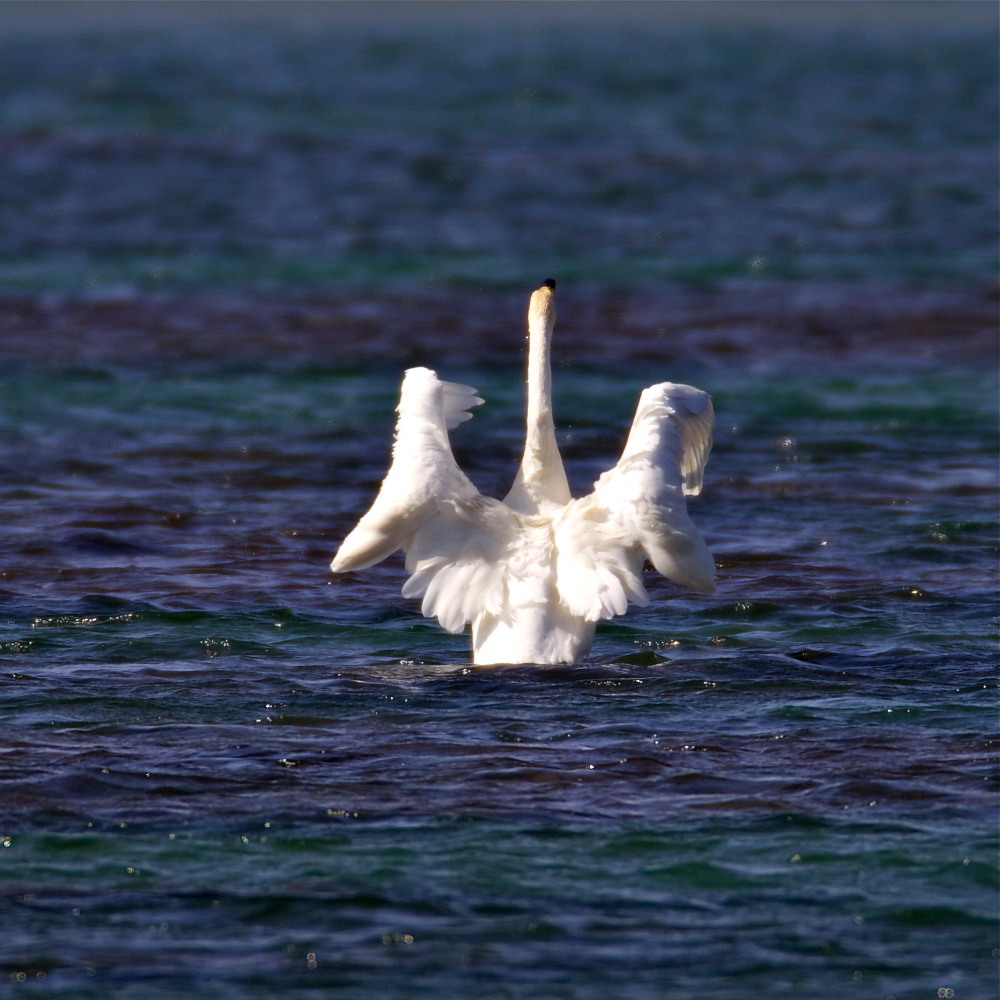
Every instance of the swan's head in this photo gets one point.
(542, 307)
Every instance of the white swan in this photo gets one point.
(536, 572)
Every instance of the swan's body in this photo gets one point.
(536, 572)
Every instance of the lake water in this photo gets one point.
(226, 773)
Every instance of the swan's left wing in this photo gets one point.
(638, 509)
(423, 472)
(454, 537)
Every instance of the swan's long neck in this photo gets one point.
(541, 480)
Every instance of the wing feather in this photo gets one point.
(458, 561)
(455, 539)
(457, 400)
(699, 420)
(642, 499)
(598, 566)
(423, 470)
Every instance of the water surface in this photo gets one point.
(226, 773)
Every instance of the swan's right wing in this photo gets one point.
(455, 539)
(637, 511)
(643, 496)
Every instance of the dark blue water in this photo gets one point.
(225, 773)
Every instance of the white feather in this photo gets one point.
(663, 461)
(423, 474)
(536, 572)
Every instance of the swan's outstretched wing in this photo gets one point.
(454, 538)
(458, 560)
(638, 511)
